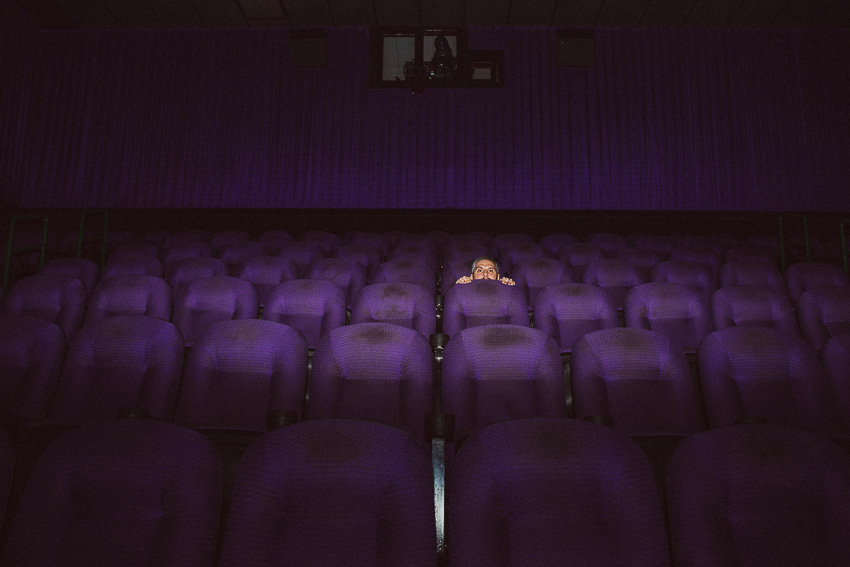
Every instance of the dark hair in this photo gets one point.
(495, 263)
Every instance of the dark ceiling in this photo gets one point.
(156, 14)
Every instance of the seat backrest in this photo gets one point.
(578, 255)
(501, 241)
(238, 253)
(132, 264)
(677, 311)
(273, 239)
(348, 274)
(367, 256)
(609, 242)
(266, 272)
(753, 306)
(373, 371)
(57, 298)
(83, 269)
(129, 492)
(645, 258)
(555, 240)
(568, 311)
(823, 312)
(693, 274)
(406, 271)
(176, 252)
(758, 373)
(704, 255)
(637, 379)
(121, 362)
(32, 352)
(496, 373)
(239, 371)
(373, 240)
(314, 307)
(511, 254)
(221, 240)
(191, 269)
(302, 254)
(534, 274)
(759, 495)
(200, 303)
(332, 492)
(614, 276)
(483, 302)
(326, 241)
(751, 272)
(835, 356)
(406, 304)
(749, 254)
(423, 253)
(553, 492)
(130, 294)
(804, 276)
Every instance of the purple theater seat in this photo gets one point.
(804, 276)
(7, 469)
(314, 307)
(135, 249)
(332, 492)
(749, 254)
(661, 244)
(348, 274)
(326, 241)
(512, 254)
(835, 356)
(752, 273)
(83, 269)
(692, 274)
(191, 269)
(158, 237)
(302, 254)
(578, 255)
(220, 240)
(202, 302)
(452, 270)
(704, 255)
(267, 272)
(753, 306)
(424, 253)
(500, 241)
(406, 304)
(615, 276)
(645, 258)
(464, 252)
(238, 372)
(274, 239)
(676, 311)
(757, 373)
(568, 311)
(123, 493)
(189, 236)
(367, 256)
(759, 495)
(376, 372)
(406, 271)
(240, 252)
(725, 240)
(497, 373)
(118, 363)
(822, 313)
(553, 492)
(130, 294)
(367, 239)
(31, 355)
(535, 274)
(117, 238)
(483, 302)
(553, 242)
(609, 243)
(132, 264)
(637, 379)
(56, 298)
(176, 252)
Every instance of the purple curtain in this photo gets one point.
(665, 119)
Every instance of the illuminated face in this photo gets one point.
(485, 270)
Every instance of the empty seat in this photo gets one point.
(578, 255)
(326, 241)
(483, 302)
(134, 249)
(759, 495)
(511, 254)
(130, 294)
(677, 311)
(367, 256)
(57, 298)
(758, 373)
(553, 492)
(202, 302)
(406, 271)
(373, 371)
(274, 239)
(132, 264)
(239, 373)
(266, 272)
(501, 241)
(751, 272)
(332, 492)
(497, 373)
(660, 243)
(748, 306)
(822, 313)
(83, 269)
(118, 363)
(535, 274)
(123, 493)
(615, 276)
(176, 252)
(240, 252)
(568, 311)
(804, 276)
(636, 379)
(220, 240)
(704, 255)
(463, 252)
(31, 355)
(348, 274)
(406, 304)
(644, 258)
(553, 242)
(424, 253)
(608, 242)
(302, 254)
(692, 274)
(749, 254)
(191, 269)
(314, 307)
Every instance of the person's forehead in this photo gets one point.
(485, 264)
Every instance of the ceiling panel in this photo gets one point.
(262, 9)
(621, 13)
(666, 13)
(711, 13)
(837, 15)
(396, 13)
(577, 14)
(801, 13)
(756, 14)
(538, 13)
(488, 12)
(176, 14)
(89, 14)
(48, 13)
(219, 13)
(132, 14)
(442, 12)
(352, 13)
(308, 13)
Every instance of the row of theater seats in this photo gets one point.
(538, 491)
(243, 375)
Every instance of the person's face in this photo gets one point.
(485, 270)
